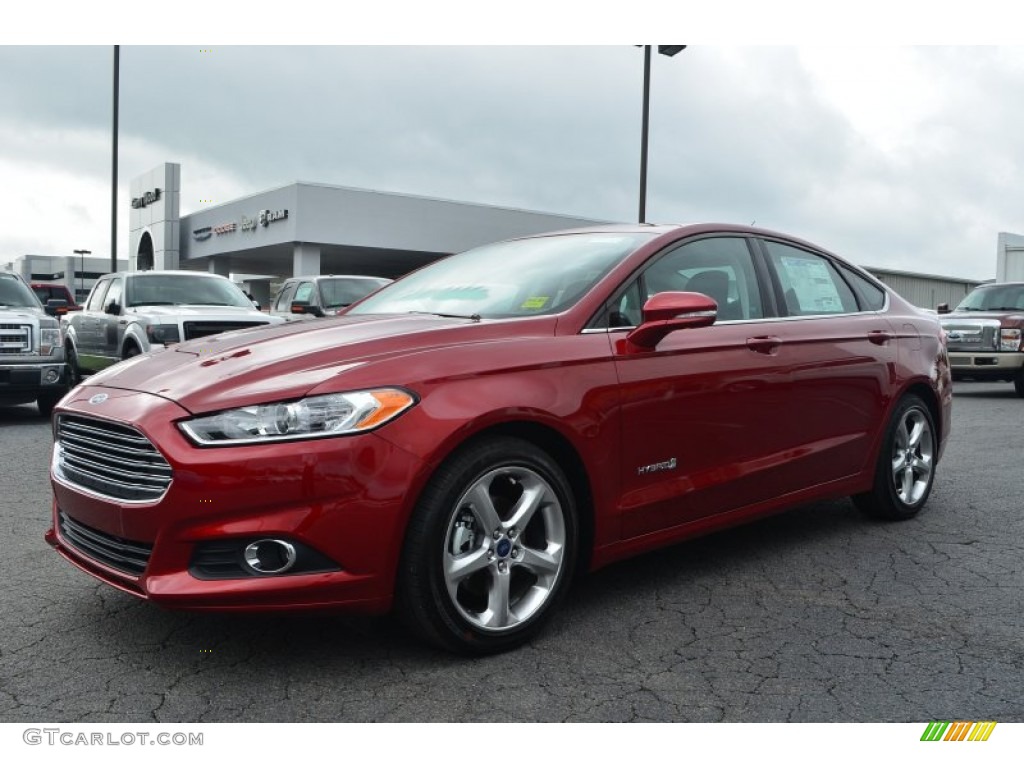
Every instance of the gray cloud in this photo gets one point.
(736, 135)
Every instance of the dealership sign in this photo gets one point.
(147, 199)
(203, 233)
(263, 219)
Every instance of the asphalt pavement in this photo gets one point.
(814, 615)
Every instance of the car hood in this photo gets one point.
(203, 311)
(291, 360)
(952, 318)
(16, 313)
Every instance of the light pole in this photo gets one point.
(665, 50)
(81, 275)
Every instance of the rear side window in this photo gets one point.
(810, 284)
(872, 296)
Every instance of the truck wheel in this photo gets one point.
(1018, 383)
(71, 361)
(47, 402)
(130, 350)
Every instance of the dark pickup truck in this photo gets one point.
(31, 355)
(984, 334)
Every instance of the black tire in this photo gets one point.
(905, 472)
(512, 577)
(131, 349)
(1018, 383)
(71, 361)
(47, 402)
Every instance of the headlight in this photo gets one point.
(1009, 339)
(163, 334)
(320, 416)
(49, 339)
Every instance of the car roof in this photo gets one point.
(192, 272)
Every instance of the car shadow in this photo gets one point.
(21, 414)
(309, 644)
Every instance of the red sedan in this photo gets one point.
(460, 444)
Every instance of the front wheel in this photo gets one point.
(489, 551)
(905, 471)
(1018, 383)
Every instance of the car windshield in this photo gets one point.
(994, 298)
(342, 291)
(14, 293)
(185, 289)
(518, 278)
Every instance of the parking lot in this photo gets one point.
(815, 615)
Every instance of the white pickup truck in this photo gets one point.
(129, 313)
(31, 355)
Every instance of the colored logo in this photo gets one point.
(958, 731)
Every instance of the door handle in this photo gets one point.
(880, 337)
(766, 345)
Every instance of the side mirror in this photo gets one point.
(305, 308)
(56, 307)
(942, 309)
(671, 311)
(113, 308)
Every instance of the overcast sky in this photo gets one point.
(893, 156)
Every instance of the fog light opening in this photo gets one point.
(51, 376)
(270, 556)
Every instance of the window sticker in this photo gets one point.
(812, 284)
(535, 302)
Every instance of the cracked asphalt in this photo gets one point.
(814, 615)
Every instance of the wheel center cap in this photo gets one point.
(504, 547)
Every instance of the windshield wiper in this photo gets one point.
(153, 304)
(474, 318)
(1004, 309)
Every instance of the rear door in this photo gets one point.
(841, 357)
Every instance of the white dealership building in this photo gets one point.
(308, 229)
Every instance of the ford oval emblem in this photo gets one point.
(97, 399)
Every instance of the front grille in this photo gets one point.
(196, 329)
(129, 557)
(15, 339)
(969, 337)
(112, 459)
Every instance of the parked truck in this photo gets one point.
(984, 334)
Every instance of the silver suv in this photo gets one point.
(129, 313)
(31, 355)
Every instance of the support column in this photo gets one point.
(219, 265)
(305, 259)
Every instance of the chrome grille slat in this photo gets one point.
(115, 460)
(121, 554)
(15, 338)
(112, 474)
(153, 463)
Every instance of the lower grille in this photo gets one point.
(129, 557)
(195, 330)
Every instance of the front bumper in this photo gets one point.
(345, 498)
(992, 364)
(21, 382)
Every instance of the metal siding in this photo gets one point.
(926, 292)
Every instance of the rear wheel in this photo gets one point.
(1018, 383)
(131, 349)
(490, 549)
(906, 464)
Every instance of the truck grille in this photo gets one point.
(114, 460)
(196, 329)
(120, 554)
(981, 336)
(15, 339)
